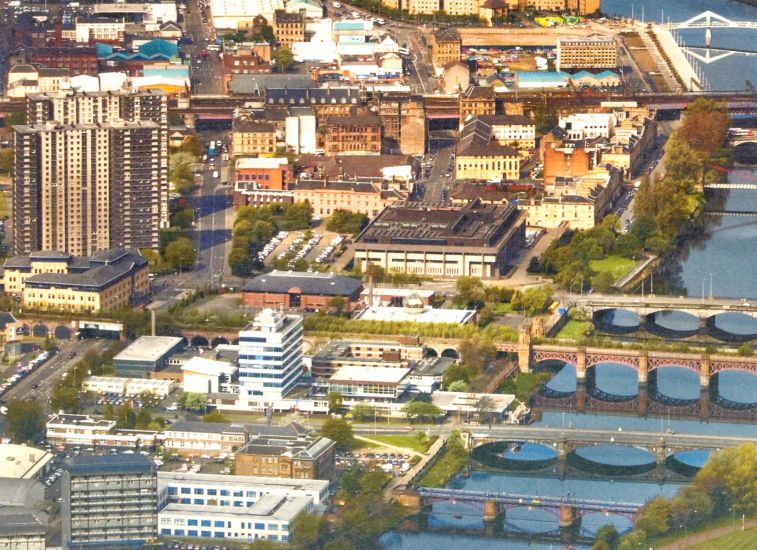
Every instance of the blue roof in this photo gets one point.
(608, 74)
(172, 71)
(154, 50)
(542, 76)
(103, 50)
(159, 46)
(349, 26)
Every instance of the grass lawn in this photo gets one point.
(525, 384)
(443, 470)
(617, 266)
(404, 441)
(502, 309)
(746, 540)
(573, 330)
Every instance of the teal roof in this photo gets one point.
(103, 50)
(173, 71)
(542, 76)
(159, 46)
(349, 26)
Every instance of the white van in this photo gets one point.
(216, 174)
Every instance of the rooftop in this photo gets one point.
(323, 284)
(22, 462)
(261, 163)
(109, 464)
(208, 367)
(369, 375)
(272, 507)
(21, 521)
(447, 34)
(232, 480)
(427, 315)
(148, 348)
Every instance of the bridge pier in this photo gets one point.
(524, 348)
(704, 403)
(491, 510)
(580, 396)
(704, 371)
(643, 399)
(569, 522)
(562, 448)
(643, 371)
(581, 363)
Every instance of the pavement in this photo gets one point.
(206, 73)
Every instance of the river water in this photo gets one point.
(726, 250)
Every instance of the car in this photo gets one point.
(35, 386)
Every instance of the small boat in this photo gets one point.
(458, 516)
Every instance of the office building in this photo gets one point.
(301, 457)
(109, 501)
(234, 490)
(146, 354)
(515, 131)
(363, 353)
(22, 528)
(475, 240)
(107, 280)
(301, 290)
(270, 357)
(288, 28)
(481, 157)
(325, 197)
(586, 53)
(80, 429)
(358, 134)
(269, 518)
(91, 172)
(369, 383)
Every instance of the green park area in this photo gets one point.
(617, 266)
(742, 540)
(574, 330)
(412, 442)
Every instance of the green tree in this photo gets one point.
(308, 532)
(215, 416)
(682, 164)
(7, 160)
(284, 58)
(193, 146)
(470, 292)
(655, 518)
(705, 125)
(363, 411)
(183, 218)
(600, 545)
(746, 350)
(418, 410)
(339, 431)
(458, 386)
(25, 420)
(126, 417)
(545, 118)
(15, 118)
(65, 398)
(180, 254)
(609, 535)
(633, 540)
(193, 401)
(602, 282)
(476, 352)
(343, 221)
(728, 477)
(337, 303)
(336, 402)
(533, 300)
(180, 172)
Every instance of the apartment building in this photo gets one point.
(288, 28)
(481, 157)
(246, 57)
(446, 46)
(83, 430)
(109, 500)
(586, 53)
(100, 29)
(91, 172)
(252, 137)
(353, 135)
(361, 197)
(474, 240)
(403, 119)
(563, 157)
(363, 353)
(515, 131)
(477, 101)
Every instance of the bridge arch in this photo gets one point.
(616, 320)
(672, 323)
(595, 359)
(62, 332)
(40, 331)
(690, 363)
(431, 352)
(218, 340)
(540, 356)
(199, 341)
(451, 353)
(732, 326)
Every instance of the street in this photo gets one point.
(206, 72)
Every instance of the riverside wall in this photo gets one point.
(678, 61)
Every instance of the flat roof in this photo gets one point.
(208, 367)
(21, 461)
(19, 521)
(427, 315)
(468, 402)
(262, 482)
(379, 375)
(109, 464)
(268, 506)
(148, 348)
(300, 282)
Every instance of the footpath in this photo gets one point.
(709, 535)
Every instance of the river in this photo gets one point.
(725, 250)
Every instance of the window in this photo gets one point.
(199, 491)
(251, 494)
(273, 526)
(260, 526)
(212, 492)
(205, 523)
(238, 503)
(218, 534)
(218, 523)
(205, 534)
(178, 532)
(191, 522)
(192, 533)
(224, 492)
(185, 490)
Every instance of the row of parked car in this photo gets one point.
(326, 252)
(23, 370)
(305, 250)
(272, 244)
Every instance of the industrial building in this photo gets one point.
(146, 354)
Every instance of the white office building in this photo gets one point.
(234, 491)
(588, 125)
(270, 357)
(269, 518)
(300, 130)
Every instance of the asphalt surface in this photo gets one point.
(206, 73)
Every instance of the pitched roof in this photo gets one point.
(322, 284)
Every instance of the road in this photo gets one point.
(206, 73)
(39, 384)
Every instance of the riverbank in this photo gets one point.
(725, 536)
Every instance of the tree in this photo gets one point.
(193, 146)
(215, 416)
(682, 164)
(193, 401)
(180, 172)
(602, 282)
(336, 402)
(609, 535)
(65, 398)
(422, 411)
(532, 300)
(545, 118)
(180, 254)
(633, 540)
(7, 158)
(458, 386)
(485, 315)
(470, 292)
(339, 431)
(183, 218)
(600, 545)
(705, 125)
(728, 477)
(337, 303)
(485, 408)
(15, 118)
(363, 411)
(284, 58)
(476, 353)
(655, 517)
(25, 420)
(308, 532)
(342, 221)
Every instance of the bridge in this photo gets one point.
(744, 186)
(645, 305)
(731, 213)
(710, 20)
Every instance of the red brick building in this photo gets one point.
(79, 60)
(301, 290)
(261, 181)
(569, 158)
(355, 134)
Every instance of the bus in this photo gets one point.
(211, 149)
